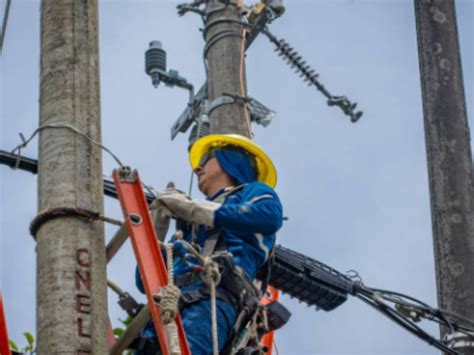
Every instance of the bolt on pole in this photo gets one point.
(449, 160)
(71, 273)
(225, 63)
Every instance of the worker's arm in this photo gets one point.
(257, 210)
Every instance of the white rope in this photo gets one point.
(169, 298)
(211, 277)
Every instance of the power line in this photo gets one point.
(4, 24)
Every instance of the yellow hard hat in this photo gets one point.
(266, 171)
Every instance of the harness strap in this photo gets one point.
(211, 242)
(229, 191)
(187, 279)
(214, 242)
(190, 297)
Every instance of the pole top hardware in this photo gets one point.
(155, 66)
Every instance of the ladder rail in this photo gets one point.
(4, 342)
(147, 251)
(269, 339)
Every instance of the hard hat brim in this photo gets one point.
(266, 170)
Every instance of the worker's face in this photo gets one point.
(209, 174)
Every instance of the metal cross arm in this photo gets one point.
(147, 251)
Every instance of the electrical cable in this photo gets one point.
(25, 142)
(4, 24)
(198, 133)
(398, 294)
(242, 88)
(434, 312)
(416, 312)
(406, 324)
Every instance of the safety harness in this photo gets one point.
(235, 287)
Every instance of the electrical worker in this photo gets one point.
(240, 217)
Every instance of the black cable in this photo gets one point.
(400, 295)
(369, 293)
(31, 165)
(406, 324)
(26, 164)
(436, 312)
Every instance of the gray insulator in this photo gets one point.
(204, 130)
(155, 58)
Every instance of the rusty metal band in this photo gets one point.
(60, 212)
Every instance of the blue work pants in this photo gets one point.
(198, 327)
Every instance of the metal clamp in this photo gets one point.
(459, 340)
(225, 99)
(218, 36)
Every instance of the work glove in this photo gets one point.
(160, 214)
(184, 207)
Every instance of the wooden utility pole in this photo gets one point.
(71, 274)
(449, 160)
(224, 54)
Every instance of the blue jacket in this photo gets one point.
(249, 219)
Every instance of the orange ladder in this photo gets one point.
(147, 250)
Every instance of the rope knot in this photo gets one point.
(169, 298)
(211, 274)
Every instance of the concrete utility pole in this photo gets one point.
(71, 274)
(225, 53)
(449, 160)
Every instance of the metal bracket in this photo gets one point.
(188, 116)
(258, 19)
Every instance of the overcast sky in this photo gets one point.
(356, 194)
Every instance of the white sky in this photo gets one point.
(356, 195)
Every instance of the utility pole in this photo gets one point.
(449, 161)
(224, 53)
(71, 273)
